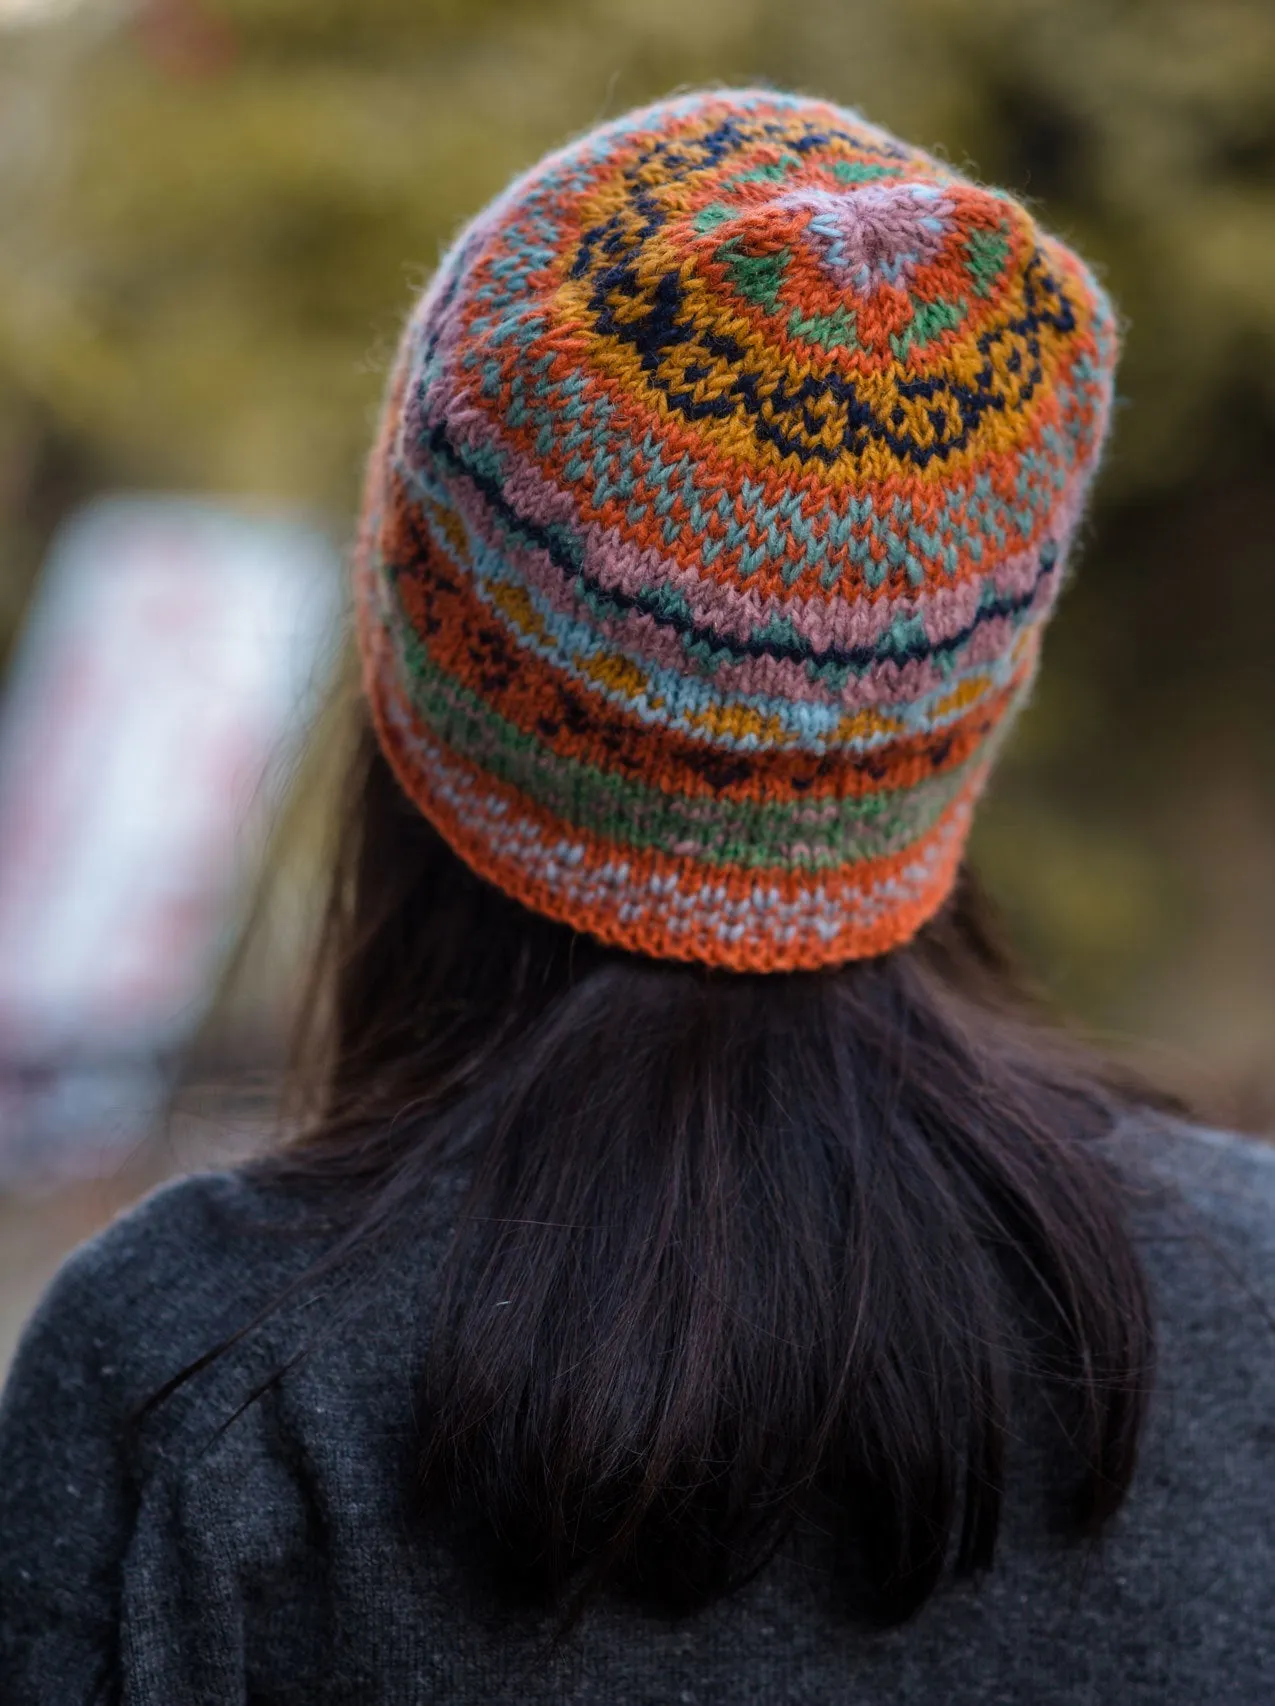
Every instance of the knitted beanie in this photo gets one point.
(725, 483)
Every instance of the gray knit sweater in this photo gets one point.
(267, 1559)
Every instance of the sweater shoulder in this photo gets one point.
(189, 1265)
(209, 1230)
(1216, 1187)
(1203, 1221)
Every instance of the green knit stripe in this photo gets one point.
(815, 834)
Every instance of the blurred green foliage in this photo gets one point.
(215, 213)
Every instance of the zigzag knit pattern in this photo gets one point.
(725, 482)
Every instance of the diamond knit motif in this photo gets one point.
(725, 482)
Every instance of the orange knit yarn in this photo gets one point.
(724, 486)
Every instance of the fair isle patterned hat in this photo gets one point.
(725, 484)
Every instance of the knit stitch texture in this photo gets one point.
(725, 483)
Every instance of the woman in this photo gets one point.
(697, 1275)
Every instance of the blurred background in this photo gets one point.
(213, 217)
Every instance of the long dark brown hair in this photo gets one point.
(736, 1250)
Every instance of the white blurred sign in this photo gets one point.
(174, 655)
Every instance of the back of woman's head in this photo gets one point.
(727, 477)
(737, 1250)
